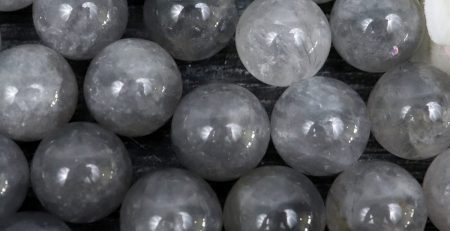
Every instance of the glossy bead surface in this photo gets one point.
(12, 5)
(81, 172)
(32, 221)
(320, 126)
(410, 111)
(436, 185)
(133, 87)
(274, 198)
(376, 196)
(220, 131)
(38, 92)
(191, 30)
(283, 41)
(171, 199)
(14, 177)
(79, 29)
(376, 36)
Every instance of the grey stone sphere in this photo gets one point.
(12, 5)
(220, 131)
(375, 36)
(81, 173)
(133, 87)
(283, 41)
(410, 111)
(14, 177)
(191, 30)
(374, 196)
(320, 126)
(38, 92)
(79, 29)
(436, 185)
(32, 221)
(274, 198)
(171, 199)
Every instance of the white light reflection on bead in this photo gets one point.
(204, 9)
(62, 175)
(65, 10)
(175, 11)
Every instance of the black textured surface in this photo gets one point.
(154, 151)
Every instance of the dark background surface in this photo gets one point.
(154, 151)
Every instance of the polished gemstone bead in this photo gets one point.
(220, 131)
(283, 41)
(274, 198)
(171, 199)
(12, 5)
(32, 221)
(375, 36)
(133, 87)
(79, 29)
(38, 92)
(320, 126)
(374, 196)
(81, 172)
(410, 111)
(191, 30)
(14, 177)
(436, 186)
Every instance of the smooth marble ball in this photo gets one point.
(274, 198)
(133, 87)
(374, 196)
(375, 36)
(220, 131)
(81, 172)
(320, 126)
(14, 177)
(410, 111)
(32, 221)
(38, 92)
(283, 41)
(79, 29)
(436, 185)
(171, 199)
(12, 5)
(191, 30)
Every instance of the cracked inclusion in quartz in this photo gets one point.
(283, 41)
(409, 108)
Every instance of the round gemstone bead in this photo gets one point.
(12, 5)
(171, 199)
(32, 221)
(220, 131)
(81, 172)
(191, 30)
(274, 198)
(409, 108)
(283, 41)
(320, 126)
(38, 92)
(132, 87)
(375, 196)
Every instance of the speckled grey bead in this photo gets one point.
(14, 177)
(375, 36)
(81, 172)
(436, 185)
(171, 199)
(320, 126)
(79, 29)
(374, 196)
(283, 41)
(410, 111)
(12, 5)
(220, 131)
(191, 30)
(33, 221)
(133, 87)
(38, 92)
(274, 198)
